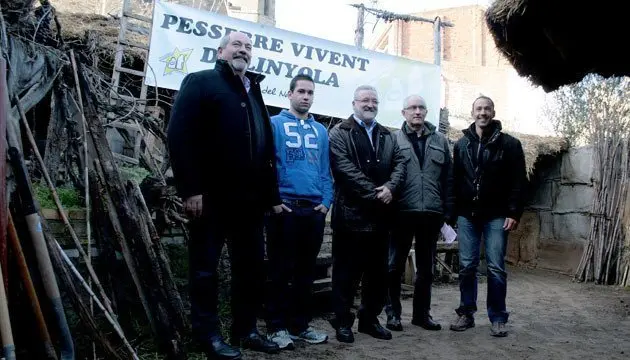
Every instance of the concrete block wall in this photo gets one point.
(556, 224)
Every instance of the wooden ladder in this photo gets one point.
(117, 94)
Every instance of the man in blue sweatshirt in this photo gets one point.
(296, 228)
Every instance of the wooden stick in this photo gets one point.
(8, 346)
(86, 179)
(108, 315)
(60, 209)
(29, 287)
(110, 209)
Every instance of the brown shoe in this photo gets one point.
(462, 323)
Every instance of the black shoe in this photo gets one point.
(393, 323)
(345, 335)
(375, 330)
(255, 341)
(427, 323)
(219, 350)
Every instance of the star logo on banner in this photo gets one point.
(176, 61)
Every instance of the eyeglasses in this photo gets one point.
(416, 107)
(367, 101)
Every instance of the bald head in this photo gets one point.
(415, 111)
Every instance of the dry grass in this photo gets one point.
(533, 146)
(75, 27)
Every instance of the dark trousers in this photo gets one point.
(244, 233)
(293, 243)
(425, 228)
(359, 256)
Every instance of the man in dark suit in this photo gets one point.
(221, 152)
(368, 169)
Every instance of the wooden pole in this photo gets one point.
(359, 31)
(29, 287)
(86, 180)
(60, 209)
(8, 347)
(437, 41)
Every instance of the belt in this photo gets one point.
(300, 203)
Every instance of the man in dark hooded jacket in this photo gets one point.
(489, 180)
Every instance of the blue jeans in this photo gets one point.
(470, 232)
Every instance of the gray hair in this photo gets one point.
(406, 101)
(224, 41)
(363, 88)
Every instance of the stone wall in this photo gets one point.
(555, 226)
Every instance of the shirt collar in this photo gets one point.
(246, 83)
(360, 122)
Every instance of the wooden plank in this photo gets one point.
(130, 71)
(128, 13)
(134, 44)
(444, 247)
(125, 158)
(72, 214)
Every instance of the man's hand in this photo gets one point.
(321, 208)
(194, 205)
(384, 194)
(510, 224)
(277, 209)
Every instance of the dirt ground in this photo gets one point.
(550, 318)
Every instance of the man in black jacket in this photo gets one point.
(221, 152)
(489, 179)
(368, 169)
(425, 203)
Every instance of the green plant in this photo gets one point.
(68, 196)
(134, 173)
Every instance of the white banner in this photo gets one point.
(185, 40)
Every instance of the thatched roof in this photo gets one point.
(533, 146)
(556, 43)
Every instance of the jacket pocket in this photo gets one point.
(437, 155)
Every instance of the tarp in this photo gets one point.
(185, 40)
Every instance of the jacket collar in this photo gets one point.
(495, 129)
(427, 130)
(224, 68)
(350, 124)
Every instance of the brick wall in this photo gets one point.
(471, 64)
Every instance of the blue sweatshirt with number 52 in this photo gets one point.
(302, 159)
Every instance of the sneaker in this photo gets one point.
(498, 329)
(282, 339)
(311, 336)
(463, 322)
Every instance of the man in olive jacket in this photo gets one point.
(368, 169)
(424, 204)
(221, 150)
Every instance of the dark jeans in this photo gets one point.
(425, 227)
(244, 233)
(359, 256)
(293, 243)
(470, 232)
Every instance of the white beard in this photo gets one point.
(239, 64)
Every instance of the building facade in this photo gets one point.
(471, 64)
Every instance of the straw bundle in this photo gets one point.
(544, 39)
(533, 146)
